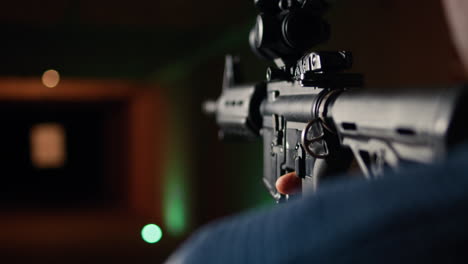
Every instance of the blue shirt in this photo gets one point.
(414, 216)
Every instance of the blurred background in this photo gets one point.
(105, 152)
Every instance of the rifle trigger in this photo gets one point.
(299, 162)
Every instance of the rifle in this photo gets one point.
(313, 116)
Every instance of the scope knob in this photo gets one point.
(265, 35)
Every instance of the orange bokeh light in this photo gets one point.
(50, 78)
(48, 145)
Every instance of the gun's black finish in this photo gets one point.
(312, 118)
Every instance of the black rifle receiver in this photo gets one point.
(313, 118)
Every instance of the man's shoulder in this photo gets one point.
(414, 214)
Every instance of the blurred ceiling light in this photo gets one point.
(50, 78)
(47, 145)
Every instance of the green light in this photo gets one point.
(151, 233)
(175, 213)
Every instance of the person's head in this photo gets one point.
(457, 17)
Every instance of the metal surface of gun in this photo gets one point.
(312, 117)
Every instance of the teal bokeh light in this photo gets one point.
(151, 233)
